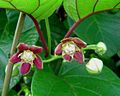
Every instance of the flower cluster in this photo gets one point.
(70, 48)
(27, 55)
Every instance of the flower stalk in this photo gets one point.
(18, 31)
(55, 57)
(48, 35)
(40, 35)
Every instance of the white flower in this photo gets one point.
(101, 48)
(27, 56)
(69, 48)
(94, 66)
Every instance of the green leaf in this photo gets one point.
(3, 21)
(101, 27)
(40, 9)
(3, 62)
(81, 8)
(73, 80)
(28, 36)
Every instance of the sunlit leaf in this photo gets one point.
(40, 9)
(81, 8)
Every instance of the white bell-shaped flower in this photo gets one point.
(94, 66)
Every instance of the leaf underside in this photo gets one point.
(40, 9)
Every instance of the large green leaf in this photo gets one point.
(2, 21)
(81, 8)
(73, 80)
(3, 62)
(40, 9)
(101, 27)
(28, 36)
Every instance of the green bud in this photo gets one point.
(94, 66)
(101, 48)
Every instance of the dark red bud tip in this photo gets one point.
(25, 68)
(36, 49)
(14, 59)
(79, 42)
(78, 56)
(58, 49)
(22, 47)
(38, 63)
(67, 57)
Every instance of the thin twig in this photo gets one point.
(18, 30)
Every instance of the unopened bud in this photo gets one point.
(101, 48)
(94, 66)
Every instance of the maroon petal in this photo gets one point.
(78, 56)
(22, 47)
(38, 63)
(36, 49)
(79, 42)
(58, 49)
(66, 40)
(67, 57)
(25, 68)
(15, 58)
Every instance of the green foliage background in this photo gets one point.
(61, 78)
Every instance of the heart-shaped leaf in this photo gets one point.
(40, 9)
(73, 80)
(81, 8)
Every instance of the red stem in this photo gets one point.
(80, 20)
(75, 25)
(40, 35)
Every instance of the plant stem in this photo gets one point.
(18, 30)
(52, 59)
(48, 34)
(90, 47)
(80, 20)
(40, 35)
(75, 25)
(72, 28)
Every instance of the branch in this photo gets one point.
(40, 35)
(14, 44)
